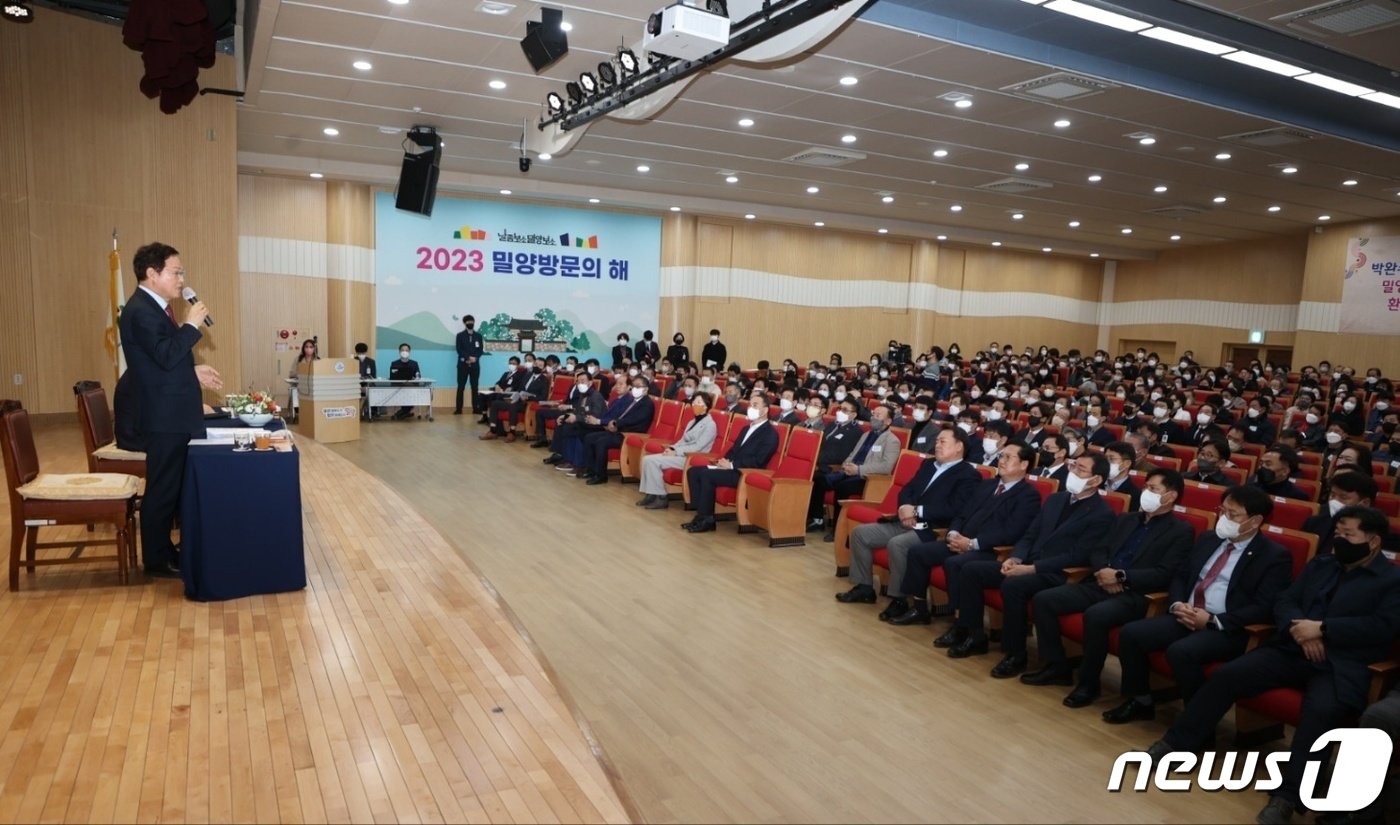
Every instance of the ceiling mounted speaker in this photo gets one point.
(545, 40)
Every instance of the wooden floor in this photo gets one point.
(727, 685)
(395, 688)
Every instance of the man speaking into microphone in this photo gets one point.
(160, 361)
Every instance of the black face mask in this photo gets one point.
(1265, 476)
(1388, 427)
(1046, 459)
(1350, 552)
(471, 327)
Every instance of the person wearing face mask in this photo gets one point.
(931, 499)
(1210, 458)
(1071, 523)
(405, 369)
(1034, 433)
(812, 412)
(1383, 403)
(995, 436)
(714, 354)
(678, 353)
(753, 448)
(1225, 585)
(870, 453)
(1121, 456)
(925, 428)
(582, 401)
(470, 348)
(622, 352)
(790, 409)
(1349, 416)
(1275, 472)
(1050, 460)
(1095, 433)
(1340, 615)
(1348, 489)
(586, 406)
(647, 350)
(630, 413)
(698, 437)
(512, 380)
(533, 386)
(1386, 429)
(1139, 554)
(839, 437)
(1205, 428)
(1258, 429)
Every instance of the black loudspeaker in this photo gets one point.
(545, 42)
(418, 178)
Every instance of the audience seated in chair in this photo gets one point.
(868, 453)
(698, 437)
(753, 449)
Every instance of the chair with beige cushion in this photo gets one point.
(47, 499)
(99, 434)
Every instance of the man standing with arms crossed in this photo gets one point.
(470, 346)
(160, 360)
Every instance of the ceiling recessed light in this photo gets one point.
(731, 179)
(745, 122)
(566, 26)
(887, 199)
(1046, 249)
(489, 7)
(819, 223)
(942, 237)
(1147, 141)
(1062, 124)
(996, 243)
(955, 207)
(1324, 217)
(750, 216)
(812, 190)
(940, 153)
(848, 138)
(675, 209)
(883, 231)
(1176, 237)
(963, 103)
(363, 65)
(1023, 166)
(505, 192)
(330, 131)
(1289, 170)
(1219, 198)
(545, 156)
(1223, 156)
(399, 2)
(1159, 189)
(1093, 254)
(317, 175)
(849, 80)
(1095, 178)
(497, 84)
(1349, 182)
(594, 200)
(1275, 208)
(1074, 224)
(1016, 216)
(1127, 230)
(643, 168)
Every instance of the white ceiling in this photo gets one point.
(439, 55)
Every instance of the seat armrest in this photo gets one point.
(1074, 575)
(1003, 551)
(1384, 676)
(1157, 604)
(1258, 633)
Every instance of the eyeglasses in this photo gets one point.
(178, 273)
(1240, 517)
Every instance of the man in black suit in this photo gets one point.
(631, 414)
(470, 347)
(166, 385)
(1121, 458)
(925, 428)
(1052, 460)
(1035, 433)
(714, 353)
(1206, 428)
(1225, 585)
(404, 369)
(1337, 618)
(754, 448)
(1095, 434)
(997, 513)
(622, 353)
(534, 386)
(1138, 556)
(932, 498)
(368, 371)
(647, 349)
(1061, 536)
(1275, 473)
(1258, 429)
(512, 380)
(1349, 489)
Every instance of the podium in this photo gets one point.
(329, 391)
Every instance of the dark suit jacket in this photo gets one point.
(1025, 437)
(1322, 526)
(1362, 619)
(757, 450)
(1218, 478)
(368, 368)
(1052, 546)
(536, 385)
(470, 344)
(928, 431)
(630, 417)
(1261, 574)
(1199, 435)
(1173, 433)
(1162, 551)
(713, 354)
(646, 349)
(997, 520)
(1101, 438)
(1259, 430)
(160, 361)
(838, 442)
(1283, 488)
(1061, 473)
(401, 370)
(126, 414)
(944, 500)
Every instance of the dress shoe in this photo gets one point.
(969, 647)
(539, 443)
(1130, 711)
(1048, 675)
(510, 438)
(898, 606)
(1279, 811)
(456, 412)
(163, 571)
(1012, 664)
(860, 594)
(659, 503)
(954, 635)
(554, 458)
(829, 536)
(1159, 749)
(1081, 697)
(585, 475)
(816, 525)
(704, 524)
(597, 480)
(915, 615)
(645, 500)
(842, 572)
(486, 437)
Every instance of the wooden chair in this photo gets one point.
(99, 434)
(559, 390)
(855, 512)
(666, 427)
(41, 500)
(777, 501)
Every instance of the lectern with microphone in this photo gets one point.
(330, 399)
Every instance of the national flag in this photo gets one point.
(113, 339)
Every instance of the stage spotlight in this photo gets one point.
(588, 83)
(554, 102)
(627, 59)
(574, 91)
(607, 75)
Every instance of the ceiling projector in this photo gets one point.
(685, 32)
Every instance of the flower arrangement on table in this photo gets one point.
(253, 406)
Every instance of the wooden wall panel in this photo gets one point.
(18, 344)
(350, 214)
(1326, 257)
(972, 334)
(1256, 272)
(272, 207)
(272, 303)
(995, 270)
(820, 253)
(753, 330)
(1208, 343)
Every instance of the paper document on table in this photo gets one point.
(226, 434)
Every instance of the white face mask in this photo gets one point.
(714, 339)
(1182, 415)
(976, 394)
(1253, 412)
(529, 365)
(592, 370)
(638, 392)
(882, 391)
(633, 373)
(814, 411)
(824, 393)
(954, 409)
(840, 395)
(1115, 468)
(1226, 529)
(690, 392)
(1093, 421)
(884, 373)
(583, 388)
(1075, 484)
(1150, 502)
(874, 362)
(1160, 412)
(1001, 393)
(842, 417)
(1334, 506)
(921, 415)
(754, 413)
(1382, 405)
(1072, 447)
(1349, 406)
(923, 364)
(1334, 438)
(403, 353)
(1203, 418)
(966, 427)
(1236, 446)
(622, 342)
(989, 445)
(818, 375)
(1311, 418)
(784, 404)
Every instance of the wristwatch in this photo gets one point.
(1121, 575)
(1323, 629)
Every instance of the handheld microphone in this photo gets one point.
(192, 298)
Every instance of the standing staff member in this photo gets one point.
(160, 363)
(470, 346)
